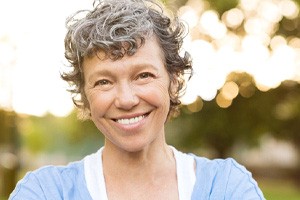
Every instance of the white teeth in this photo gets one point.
(131, 120)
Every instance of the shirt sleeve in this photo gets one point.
(28, 188)
(51, 182)
(224, 179)
(241, 185)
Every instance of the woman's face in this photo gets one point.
(128, 98)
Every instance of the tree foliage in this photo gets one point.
(275, 112)
(66, 135)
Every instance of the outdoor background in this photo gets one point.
(242, 102)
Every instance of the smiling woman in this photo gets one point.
(127, 76)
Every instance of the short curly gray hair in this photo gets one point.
(119, 28)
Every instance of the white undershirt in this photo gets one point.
(93, 171)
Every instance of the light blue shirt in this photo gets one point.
(215, 180)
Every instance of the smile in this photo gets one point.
(131, 120)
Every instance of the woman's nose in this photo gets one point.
(126, 97)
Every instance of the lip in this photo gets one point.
(131, 116)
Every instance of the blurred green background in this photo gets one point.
(245, 117)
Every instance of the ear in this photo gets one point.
(174, 87)
(84, 110)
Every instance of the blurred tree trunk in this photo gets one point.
(297, 171)
(8, 153)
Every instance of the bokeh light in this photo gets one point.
(242, 39)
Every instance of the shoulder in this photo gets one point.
(215, 166)
(52, 172)
(225, 178)
(54, 182)
(219, 170)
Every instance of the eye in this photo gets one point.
(145, 75)
(102, 82)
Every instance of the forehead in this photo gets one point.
(150, 52)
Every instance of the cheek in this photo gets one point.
(156, 95)
(99, 103)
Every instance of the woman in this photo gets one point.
(126, 77)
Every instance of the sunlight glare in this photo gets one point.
(277, 41)
(233, 18)
(222, 101)
(295, 43)
(270, 11)
(279, 67)
(254, 26)
(7, 52)
(188, 15)
(196, 106)
(249, 5)
(246, 89)
(34, 86)
(254, 55)
(210, 24)
(288, 9)
(230, 90)
(32, 53)
(189, 96)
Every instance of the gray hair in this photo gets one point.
(119, 28)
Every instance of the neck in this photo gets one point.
(150, 160)
(134, 175)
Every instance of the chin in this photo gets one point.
(134, 148)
